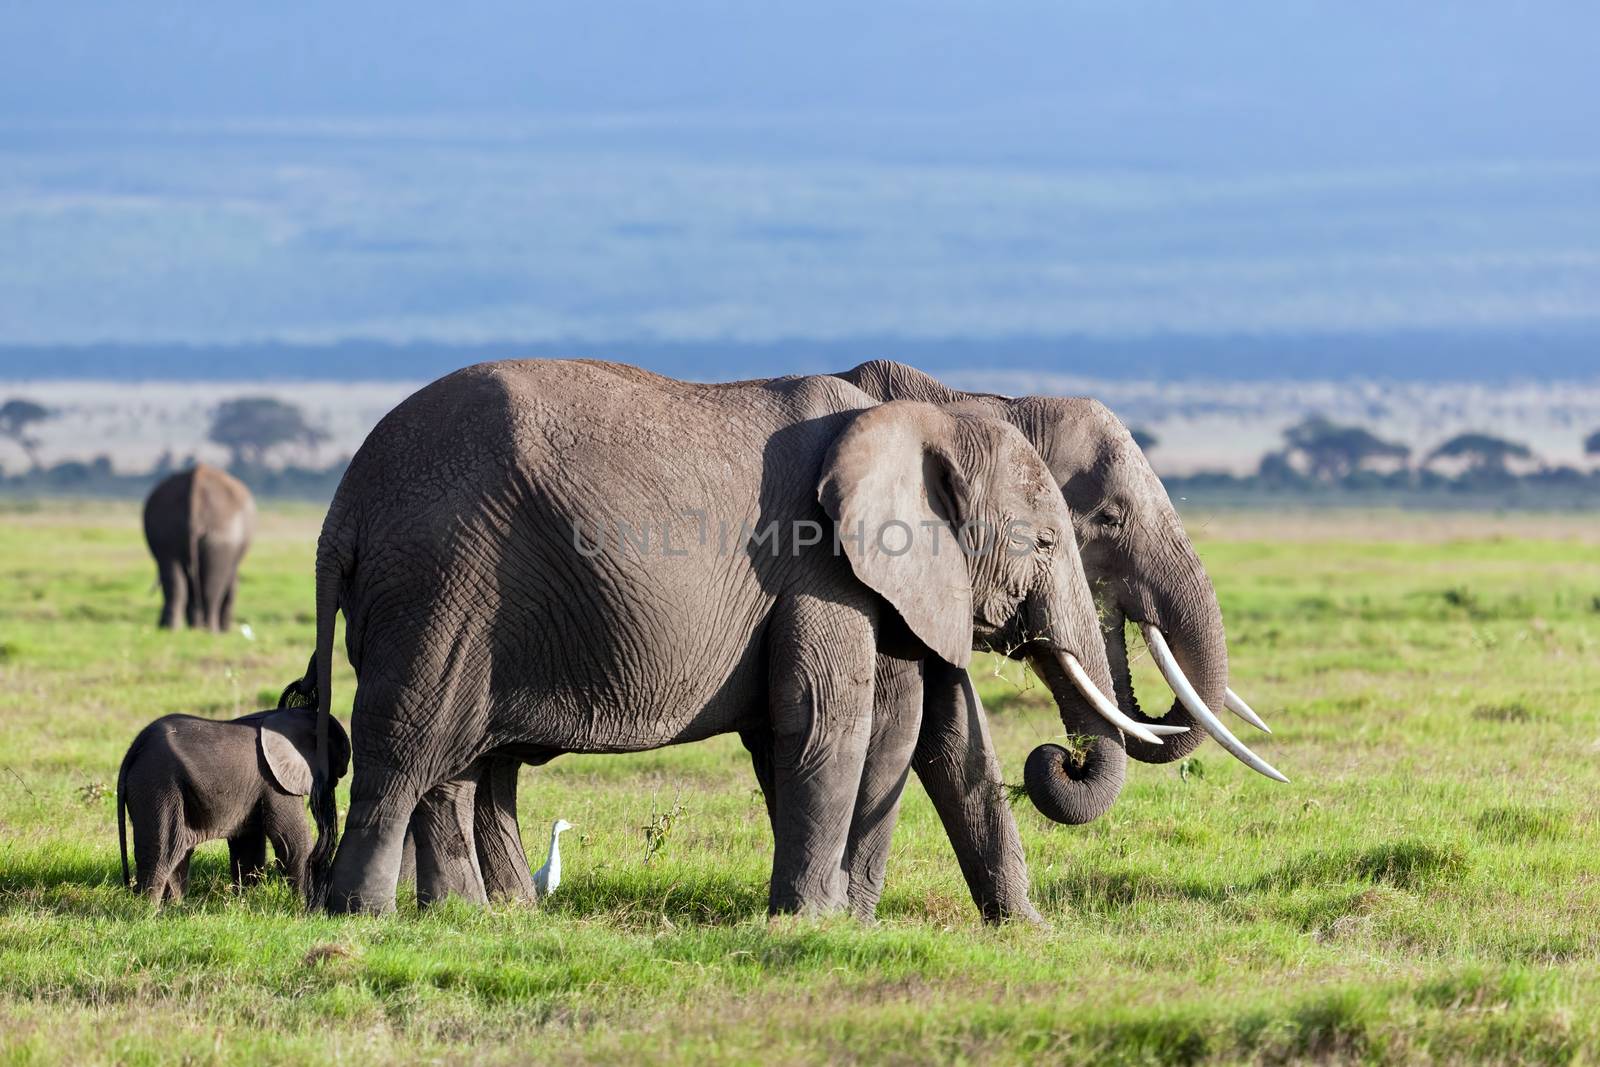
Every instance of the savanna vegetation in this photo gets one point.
(1426, 888)
(1321, 463)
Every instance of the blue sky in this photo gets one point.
(738, 171)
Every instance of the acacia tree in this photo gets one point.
(1484, 453)
(251, 426)
(1144, 438)
(16, 416)
(1591, 444)
(1333, 451)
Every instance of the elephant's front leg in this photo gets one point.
(447, 858)
(957, 764)
(284, 824)
(247, 854)
(820, 689)
(896, 719)
(501, 857)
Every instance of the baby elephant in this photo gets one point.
(187, 780)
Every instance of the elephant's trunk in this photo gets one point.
(1074, 786)
(1191, 621)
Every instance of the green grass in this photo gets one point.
(1426, 889)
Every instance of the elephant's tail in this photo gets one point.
(331, 566)
(122, 810)
(191, 565)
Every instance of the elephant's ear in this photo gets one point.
(288, 742)
(897, 498)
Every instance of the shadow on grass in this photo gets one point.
(87, 879)
(1515, 1017)
(1517, 823)
(1091, 888)
(650, 895)
(77, 880)
(1409, 865)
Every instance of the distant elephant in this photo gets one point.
(187, 780)
(1143, 568)
(198, 524)
(544, 557)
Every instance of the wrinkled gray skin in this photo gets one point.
(1143, 569)
(479, 626)
(1138, 558)
(187, 780)
(198, 524)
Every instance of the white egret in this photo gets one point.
(546, 878)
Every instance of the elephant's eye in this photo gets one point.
(1109, 519)
(1046, 539)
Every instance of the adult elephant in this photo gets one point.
(491, 548)
(198, 524)
(1144, 570)
(1138, 559)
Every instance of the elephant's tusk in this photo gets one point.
(1235, 703)
(1107, 708)
(1197, 707)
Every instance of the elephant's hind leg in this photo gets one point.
(501, 857)
(366, 867)
(758, 742)
(447, 858)
(160, 843)
(896, 720)
(174, 593)
(219, 566)
(404, 745)
(178, 881)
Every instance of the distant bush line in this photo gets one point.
(1322, 462)
(97, 480)
(1548, 489)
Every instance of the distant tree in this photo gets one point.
(1275, 469)
(1333, 451)
(16, 415)
(1484, 453)
(1591, 444)
(1145, 439)
(251, 426)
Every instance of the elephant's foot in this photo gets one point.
(1002, 897)
(366, 869)
(788, 901)
(1023, 914)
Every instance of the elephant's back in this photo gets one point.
(223, 507)
(169, 513)
(210, 768)
(546, 427)
(202, 500)
(488, 519)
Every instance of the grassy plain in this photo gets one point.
(1427, 888)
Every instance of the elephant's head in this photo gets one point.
(288, 741)
(956, 521)
(1136, 555)
(1143, 568)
